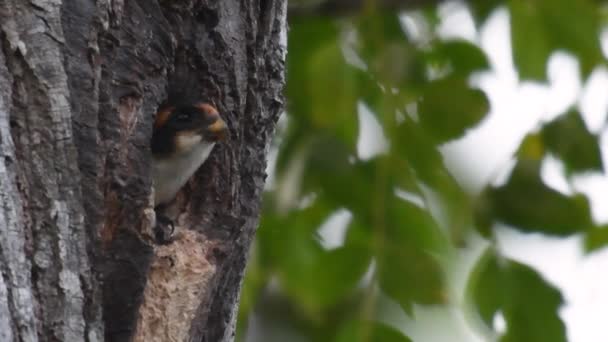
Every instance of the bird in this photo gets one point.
(183, 136)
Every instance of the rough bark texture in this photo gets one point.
(80, 81)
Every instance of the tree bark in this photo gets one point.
(80, 81)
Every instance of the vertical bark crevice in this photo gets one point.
(82, 24)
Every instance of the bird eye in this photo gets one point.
(183, 117)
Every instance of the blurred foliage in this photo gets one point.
(407, 217)
(528, 304)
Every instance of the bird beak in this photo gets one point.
(218, 130)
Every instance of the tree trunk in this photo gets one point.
(80, 81)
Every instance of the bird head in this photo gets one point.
(178, 129)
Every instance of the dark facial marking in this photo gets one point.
(186, 118)
(171, 120)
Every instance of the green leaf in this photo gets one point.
(410, 275)
(422, 155)
(315, 277)
(333, 276)
(483, 8)
(311, 32)
(531, 46)
(332, 173)
(408, 223)
(528, 303)
(529, 205)
(286, 240)
(312, 35)
(532, 148)
(455, 205)
(418, 148)
(541, 27)
(533, 315)
(568, 138)
(486, 288)
(321, 87)
(398, 65)
(366, 331)
(596, 239)
(460, 57)
(376, 30)
(383, 45)
(449, 107)
(370, 92)
(333, 93)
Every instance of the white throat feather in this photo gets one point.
(170, 174)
